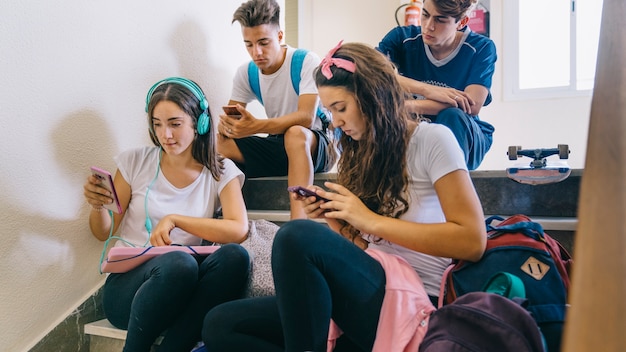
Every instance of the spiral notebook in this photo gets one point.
(123, 259)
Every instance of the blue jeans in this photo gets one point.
(474, 136)
(171, 293)
(318, 275)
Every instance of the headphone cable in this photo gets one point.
(148, 223)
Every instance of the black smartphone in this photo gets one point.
(107, 182)
(305, 192)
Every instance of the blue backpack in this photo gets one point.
(519, 246)
(296, 70)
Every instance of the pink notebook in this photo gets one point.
(122, 259)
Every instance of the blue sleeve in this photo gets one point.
(483, 67)
(393, 44)
(389, 44)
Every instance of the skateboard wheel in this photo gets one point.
(563, 151)
(513, 152)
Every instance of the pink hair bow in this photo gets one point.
(329, 60)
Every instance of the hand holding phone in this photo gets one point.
(107, 182)
(231, 110)
(305, 192)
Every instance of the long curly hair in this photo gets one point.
(374, 167)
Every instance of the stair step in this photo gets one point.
(104, 337)
(105, 329)
(498, 194)
(275, 216)
(548, 223)
(270, 193)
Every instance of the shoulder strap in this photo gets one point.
(296, 71)
(297, 60)
(296, 68)
(253, 80)
(515, 224)
(442, 286)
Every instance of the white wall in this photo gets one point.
(539, 123)
(74, 76)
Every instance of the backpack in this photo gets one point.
(482, 322)
(519, 246)
(296, 68)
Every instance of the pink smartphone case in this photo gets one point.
(115, 206)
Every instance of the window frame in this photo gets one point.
(511, 61)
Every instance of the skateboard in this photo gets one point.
(539, 170)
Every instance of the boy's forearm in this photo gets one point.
(425, 106)
(411, 85)
(279, 125)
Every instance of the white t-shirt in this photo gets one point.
(432, 153)
(279, 97)
(199, 199)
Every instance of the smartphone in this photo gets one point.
(305, 192)
(231, 110)
(107, 182)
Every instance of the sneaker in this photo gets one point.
(199, 347)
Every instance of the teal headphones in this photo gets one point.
(204, 120)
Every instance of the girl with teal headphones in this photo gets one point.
(169, 194)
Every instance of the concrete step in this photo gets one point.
(270, 193)
(498, 194)
(554, 206)
(548, 223)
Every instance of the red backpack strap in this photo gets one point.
(562, 259)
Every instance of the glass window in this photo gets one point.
(550, 47)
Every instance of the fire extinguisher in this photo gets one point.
(479, 19)
(412, 13)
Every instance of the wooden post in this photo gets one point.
(596, 320)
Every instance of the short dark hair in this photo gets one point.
(456, 9)
(257, 12)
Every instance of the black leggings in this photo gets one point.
(173, 291)
(318, 275)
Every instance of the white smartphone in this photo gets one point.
(107, 182)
